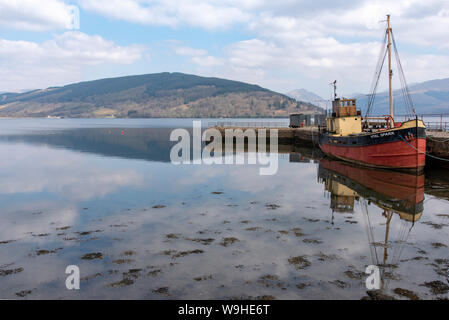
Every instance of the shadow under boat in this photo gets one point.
(390, 190)
(393, 192)
(293, 153)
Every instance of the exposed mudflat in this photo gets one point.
(256, 254)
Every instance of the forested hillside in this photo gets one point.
(153, 95)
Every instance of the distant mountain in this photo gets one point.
(428, 97)
(6, 96)
(153, 95)
(307, 96)
(20, 91)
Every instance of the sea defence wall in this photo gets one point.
(306, 136)
(437, 146)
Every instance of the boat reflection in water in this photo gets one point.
(400, 197)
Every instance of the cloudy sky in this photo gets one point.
(281, 45)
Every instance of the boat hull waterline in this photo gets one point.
(399, 148)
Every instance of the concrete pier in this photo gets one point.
(307, 136)
(437, 145)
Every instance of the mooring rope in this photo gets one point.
(428, 155)
(436, 140)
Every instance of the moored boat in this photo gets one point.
(378, 142)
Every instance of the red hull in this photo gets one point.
(396, 155)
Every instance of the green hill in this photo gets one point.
(153, 95)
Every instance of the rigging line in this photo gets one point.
(385, 263)
(377, 71)
(399, 248)
(405, 240)
(400, 243)
(403, 83)
(428, 155)
(378, 61)
(369, 232)
(374, 89)
(365, 214)
(404, 235)
(404, 87)
(373, 95)
(402, 74)
(405, 96)
(407, 104)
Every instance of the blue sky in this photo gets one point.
(281, 45)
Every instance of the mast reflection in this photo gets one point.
(397, 194)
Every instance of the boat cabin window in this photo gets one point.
(344, 107)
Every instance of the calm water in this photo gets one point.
(103, 195)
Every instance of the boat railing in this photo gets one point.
(433, 121)
(437, 126)
(374, 123)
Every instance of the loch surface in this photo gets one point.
(104, 196)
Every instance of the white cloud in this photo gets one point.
(287, 19)
(35, 15)
(291, 43)
(208, 61)
(89, 49)
(188, 51)
(300, 43)
(203, 14)
(59, 60)
(293, 48)
(199, 57)
(317, 62)
(34, 170)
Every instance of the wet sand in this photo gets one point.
(189, 252)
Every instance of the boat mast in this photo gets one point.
(390, 71)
